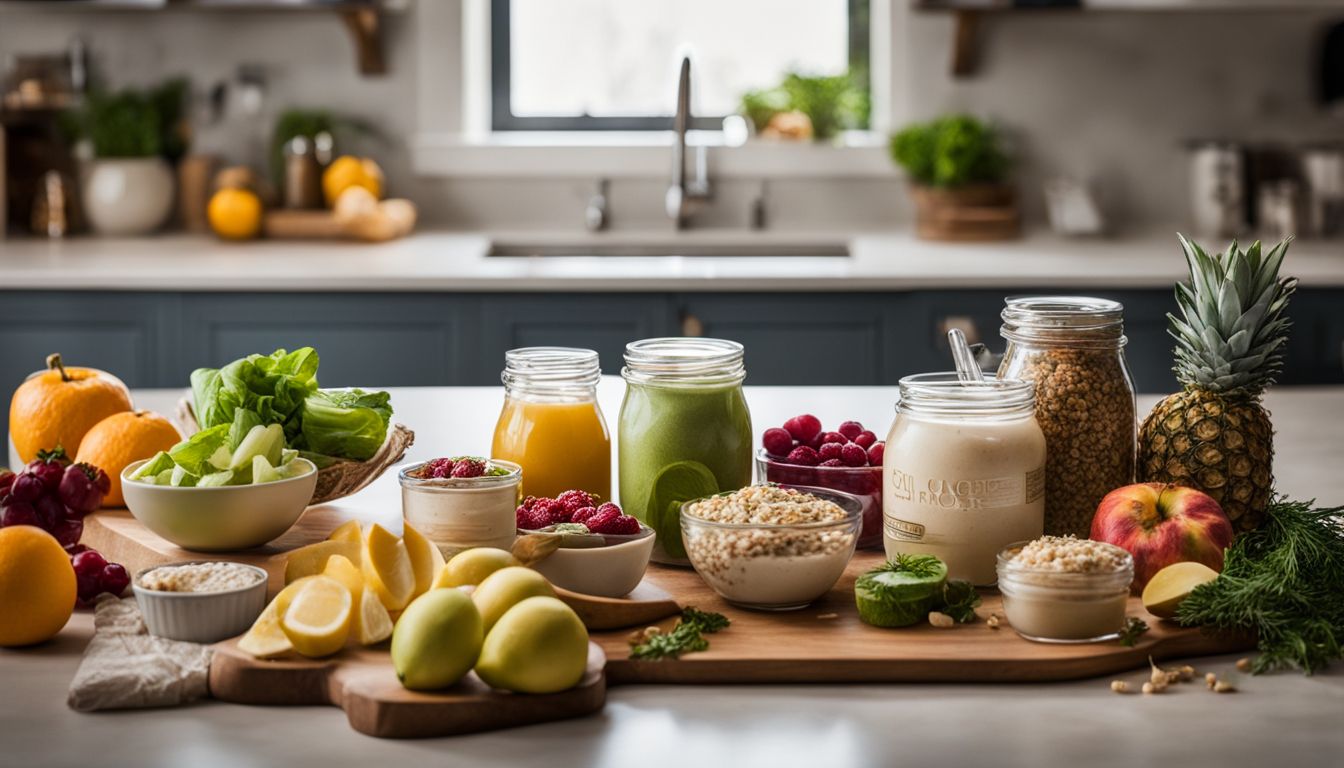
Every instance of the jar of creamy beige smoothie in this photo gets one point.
(458, 513)
(964, 472)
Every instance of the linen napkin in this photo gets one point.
(125, 667)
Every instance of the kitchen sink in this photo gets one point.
(687, 248)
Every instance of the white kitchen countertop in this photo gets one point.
(442, 261)
(1282, 720)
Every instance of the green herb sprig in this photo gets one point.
(1132, 631)
(687, 636)
(1283, 582)
(960, 600)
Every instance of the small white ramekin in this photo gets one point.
(200, 617)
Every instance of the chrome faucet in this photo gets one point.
(684, 196)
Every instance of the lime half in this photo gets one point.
(676, 484)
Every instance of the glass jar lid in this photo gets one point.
(1073, 320)
(550, 370)
(945, 394)
(684, 360)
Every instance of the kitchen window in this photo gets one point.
(592, 65)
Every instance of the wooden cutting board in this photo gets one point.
(362, 683)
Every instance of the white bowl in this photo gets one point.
(200, 617)
(223, 518)
(613, 570)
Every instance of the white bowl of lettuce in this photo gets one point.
(226, 488)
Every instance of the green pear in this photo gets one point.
(437, 640)
(537, 646)
(472, 566)
(505, 588)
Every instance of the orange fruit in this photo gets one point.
(235, 214)
(37, 586)
(349, 171)
(122, 438)
(59, 405)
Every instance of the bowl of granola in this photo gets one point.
(772, 547)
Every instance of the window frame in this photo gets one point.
(503, 119)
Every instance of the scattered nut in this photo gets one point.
(1151, 688)
(1243, 665)
(643, 635)
(993, 621)
(1186, 673)
(1223, 686)
(941, 620)
(1210, 680)
(825, 616)
(1119, 686)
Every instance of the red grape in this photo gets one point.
(777, 441)
(875, 453)
(83, 487)
(50, 512)
(26, 487)
(19, 513)
(865, 439)
(68, 531)
(803, 428)
(115, 579)
(6, 480)
(88, 567)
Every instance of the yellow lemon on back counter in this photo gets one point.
(349, 171)
(235, 214)
(37, 586)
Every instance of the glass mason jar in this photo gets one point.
(1072, 348)
(551, 424)
(685, 432)
(964, 472)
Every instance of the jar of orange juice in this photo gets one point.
(551, 424)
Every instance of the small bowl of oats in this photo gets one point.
(200, 601)
(772, 547)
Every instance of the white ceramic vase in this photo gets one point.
(128, 195)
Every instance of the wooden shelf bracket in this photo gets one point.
(965, 43)
(365, 27)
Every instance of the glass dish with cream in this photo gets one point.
(458, 513)
(1059, 589)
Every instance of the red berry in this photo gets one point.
(829, 451)
(438, 468)
(551, 511)
(854, 456)
(582, 514)
(19, 513)
(27, 487)
(850, 429)
(803, 428)
(865, 438)
(530, 520)
(468, 468)
(88, 567)
(50, 512)
(875, 452)
(804, 456)
(529, 502)
(115, 579)
(6, 480)
(816, 442)
(833, 437)
(83, 487)
(832, 463)
(777, 441)
(49, 467)
(614, 525)
(68, 531)
(573, 501)
(610, 506)
(76, 549)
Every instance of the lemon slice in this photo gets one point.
(374, 625)
(266, 639)
(312, 559)
(317, 622)
(426, 559)
(347, 531)
(387, 568)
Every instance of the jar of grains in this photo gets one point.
(1072, 349)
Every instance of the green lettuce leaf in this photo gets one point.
(243, 422)
(271, 386)
(349, 423)
(194, 454)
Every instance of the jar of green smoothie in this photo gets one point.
(684, 431)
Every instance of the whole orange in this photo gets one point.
(37, 586)
(235, 214)
(60, 404)
(122, 438)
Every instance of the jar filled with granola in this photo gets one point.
(1072, 348)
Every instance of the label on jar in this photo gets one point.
(978, 493)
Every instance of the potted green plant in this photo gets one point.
(958, 172)
(128, 185)
(806, 107)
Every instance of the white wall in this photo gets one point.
(1103, 96)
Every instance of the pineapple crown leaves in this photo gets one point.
(1231, 332)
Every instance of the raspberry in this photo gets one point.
(832, 463)
(804, 456)
(530, 502)
(468, 468)
(529, 520)
(875, 452)
(777, 441)
(864, 439)
(804, 427)
(582, 514)
(833, 437)
(850, 429)
(551, 511)
(621, 525)
(573, 501)
(602, 518)
(829, 451)
(816, 442)
(854, 456)
(438, 468)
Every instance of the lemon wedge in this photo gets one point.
(375, 624)
(266, 639)
(312, 559)
(387, 568)
(426, 559)
(317, 622)
(347, 531)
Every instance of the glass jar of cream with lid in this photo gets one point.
(964, 472)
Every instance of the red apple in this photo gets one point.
(1160, 524)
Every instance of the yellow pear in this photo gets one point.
(505, 588)
(537, 646)
(471, 566)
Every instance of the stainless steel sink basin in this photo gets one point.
(686, 248)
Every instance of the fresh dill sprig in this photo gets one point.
(1283, 582)
(1133, 629)
(687, 636)
(960, 600)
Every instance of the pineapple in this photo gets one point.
(1215, 435)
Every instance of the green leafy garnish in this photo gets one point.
(960, 600)
(1133, 629)
(1283, 582)
(687, 636)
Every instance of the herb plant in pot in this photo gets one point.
(128, 187)
(958, 174)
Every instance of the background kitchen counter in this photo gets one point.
(1041, 726)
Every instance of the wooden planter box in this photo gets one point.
(974, 213)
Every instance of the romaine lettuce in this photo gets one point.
(350, 423)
